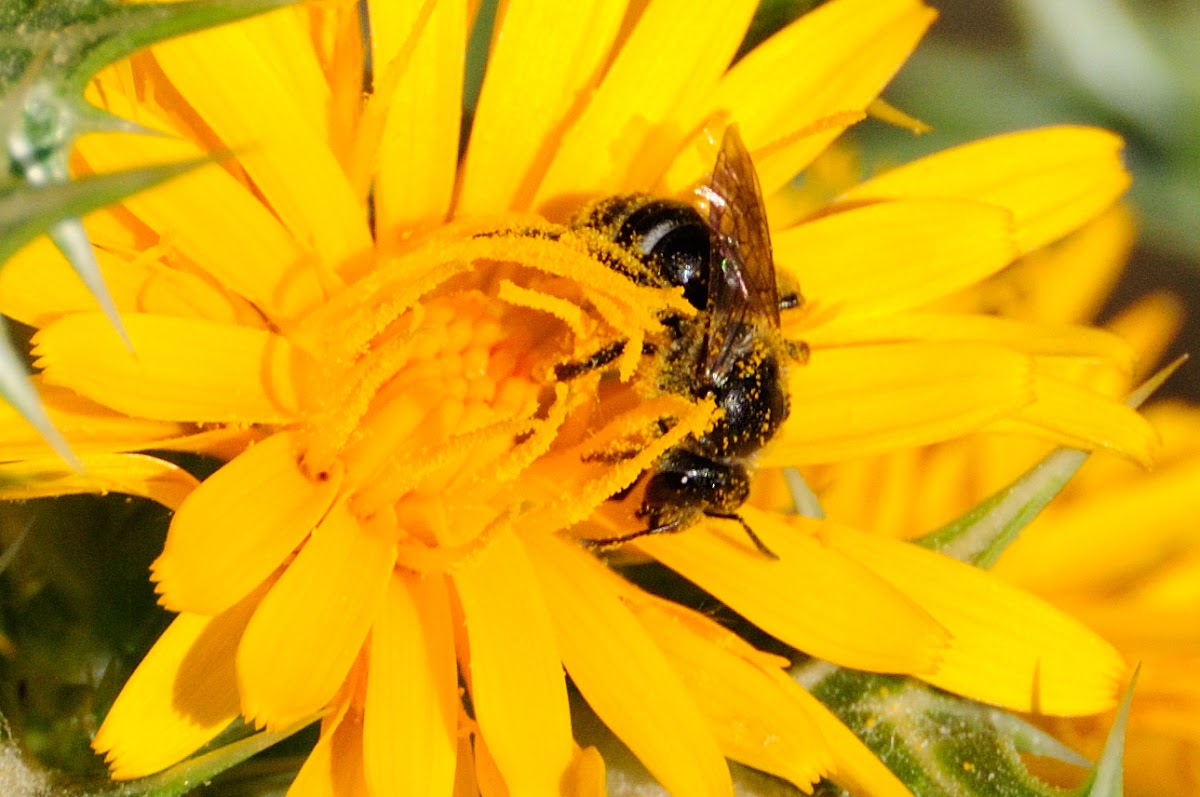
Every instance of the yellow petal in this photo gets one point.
(622, 673)
(759, 717)
(208, 216)
(1007, 647)
(334, 767)
(491, 782)
(179, 370)
(94, 429)
(1059, 340)
(182, 694)
(131, 474)
(302, 640)
(516, 680)
(466, 784)
(891, 256)
(628, 132)
(1052, 180)
(863, 400)
(814, 599)
(884, 111)
(411, 713)
(212, 559)
(1069, 281)
(589, 778)
(1150, 325)
(833, 60)
(1073, 415)
(546, 55)
(337, 35)
(90, 427)
(419, 63)
(282, 137)
(38, 285)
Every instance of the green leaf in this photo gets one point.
(71, 239)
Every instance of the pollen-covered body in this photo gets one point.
(708, 474)
(730, 351)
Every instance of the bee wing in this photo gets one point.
(742, 292)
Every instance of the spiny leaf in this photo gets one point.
(1105, 779)
(17, 390)
(71, 239)
(49, 50)
(81, 37)
(25, 212)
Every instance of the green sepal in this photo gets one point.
(981, 534)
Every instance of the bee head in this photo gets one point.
(673, 240)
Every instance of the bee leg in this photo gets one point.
(790, 300)
(797, 350)
(609, 543)
(754, 538)
(576, 368)
(788, 292)
(613, 456)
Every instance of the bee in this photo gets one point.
(730, 351)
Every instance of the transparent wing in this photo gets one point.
(742, 293)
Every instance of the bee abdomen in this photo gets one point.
(755, 405)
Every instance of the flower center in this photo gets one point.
(431, 385)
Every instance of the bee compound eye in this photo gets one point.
(675, 240)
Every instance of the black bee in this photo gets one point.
(730, 351)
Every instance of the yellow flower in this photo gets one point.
(366, 328)
(1118, 549)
